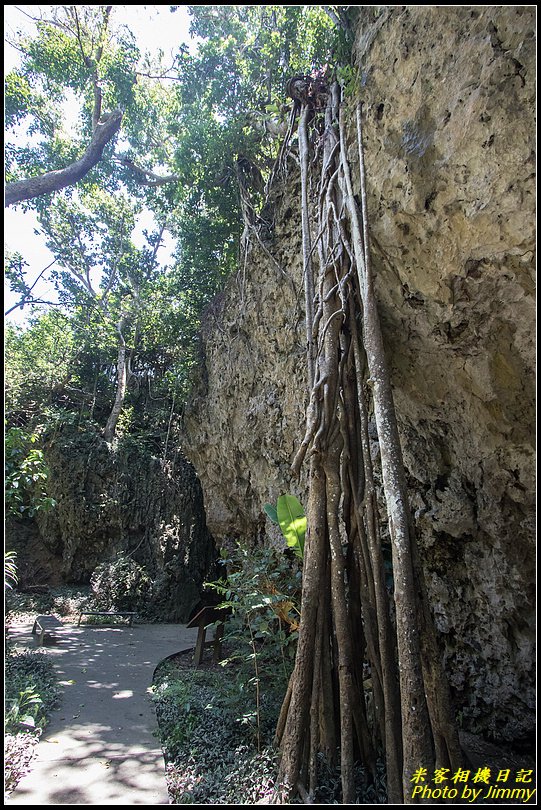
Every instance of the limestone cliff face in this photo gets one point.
(119, 499)
(448, 98)
(247, 413)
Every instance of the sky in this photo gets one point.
(154, 27)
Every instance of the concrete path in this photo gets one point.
(99, 747)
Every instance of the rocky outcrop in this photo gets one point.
(121, 498)
(448, 97)
(247, 413)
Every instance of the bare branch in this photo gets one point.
(34, 301)
(30, 17)
(27, 297)
(86, 59)
(145, 177)
(40, 275)
(159, 76)
(157, 246)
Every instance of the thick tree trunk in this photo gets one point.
(54, 181)
(121, 385)
(313, 571)
(352, 621)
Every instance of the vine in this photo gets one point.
(347, 618)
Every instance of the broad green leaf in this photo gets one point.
(292, 522)
(271, 512)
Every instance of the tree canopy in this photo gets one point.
(193, 145)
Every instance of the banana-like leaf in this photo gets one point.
(292, 522)
(271, 512)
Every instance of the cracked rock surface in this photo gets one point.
(448, 99)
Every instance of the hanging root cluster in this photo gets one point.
(367, 680)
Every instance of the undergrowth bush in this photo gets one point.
(31, 692)
(262, 591)
(63, 601)
(217, 726)
(209, 741)
(121, 584)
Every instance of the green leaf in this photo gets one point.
(271, 512)
(292, 522)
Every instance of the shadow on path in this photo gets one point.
(100, 745)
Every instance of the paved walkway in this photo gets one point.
(99, 746)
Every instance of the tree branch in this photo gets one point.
(157, 246)
(31, 187)
(145, 177)
(27, 297)
(34, 302)
(338, 16)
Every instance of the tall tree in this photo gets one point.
(70, 51)
(104, 277)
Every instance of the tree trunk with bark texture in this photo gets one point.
(121, 385)
(343, 567)
(50, 182)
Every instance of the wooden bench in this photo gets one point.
(111, 613)
(208, 615)
(48, 626)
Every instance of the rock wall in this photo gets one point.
(113, 499)
(448, 99)
(246, 414)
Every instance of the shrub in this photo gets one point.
(121, 584)
(31, 690)
(209, 748)
(262, 589)
(10, 569)
(30, 694)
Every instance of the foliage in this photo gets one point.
(212, 134)
(120, 584)
(262, 589)
(31, 692)
(22, 708)
(262, 592)
(26, 474)
(10, 569)
(289, 515)
(19, 749)
(209, 749)
(65, 600)
(37, 361)
(71, 58)
(69, 601)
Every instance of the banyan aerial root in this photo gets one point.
(367, 677)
